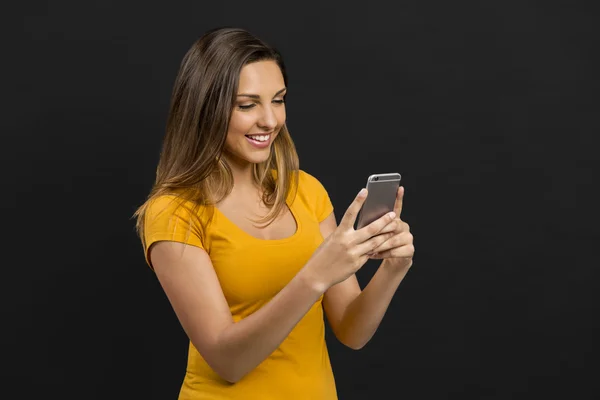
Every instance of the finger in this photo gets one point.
(373, 243)
(392, 226)
(399, 201)
(349, 217)
(406, 251)
(395, 225)
(375, 227)
(397, 240)
(407, 261)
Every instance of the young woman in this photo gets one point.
(246, 245)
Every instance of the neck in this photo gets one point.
(241, 170)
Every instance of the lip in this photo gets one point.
(260, 145)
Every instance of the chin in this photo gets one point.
(249, 157)
(258, 158)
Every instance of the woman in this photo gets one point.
(246, 245)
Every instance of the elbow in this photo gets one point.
(355, 345)
(227, 363)
(226, 371)
(350, 342)
(230, 376)
(226, 367)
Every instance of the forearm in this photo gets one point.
(244, 345)
(363, 316)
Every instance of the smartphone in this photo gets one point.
(382, 190)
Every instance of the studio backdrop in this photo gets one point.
(489, 111)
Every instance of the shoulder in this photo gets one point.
(309, 182)
(314, 195)
(164, 209)
(172, 218)
(166, 205)
(173, 215)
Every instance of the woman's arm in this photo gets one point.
(234, 349)
(355, 315)
(231, 349)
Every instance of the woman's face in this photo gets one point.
(258, 113)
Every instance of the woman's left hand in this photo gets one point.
(398, 250)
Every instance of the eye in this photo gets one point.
(279, 101)
(246, 106)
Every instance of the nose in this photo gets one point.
(268, 119)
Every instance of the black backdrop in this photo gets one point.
(488, 109)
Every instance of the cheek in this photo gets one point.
(240, 124)
(281, 116)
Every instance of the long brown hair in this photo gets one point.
(191, 166)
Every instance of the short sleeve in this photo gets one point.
(318, 196)
(168, 218)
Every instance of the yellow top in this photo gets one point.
(251, 272)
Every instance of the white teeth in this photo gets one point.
(259, 138)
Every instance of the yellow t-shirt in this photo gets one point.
(251, 272)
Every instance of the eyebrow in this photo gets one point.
(255, 96)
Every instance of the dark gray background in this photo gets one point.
(488, 109)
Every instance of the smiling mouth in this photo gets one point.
(259, 138)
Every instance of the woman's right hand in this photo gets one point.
(346, 250)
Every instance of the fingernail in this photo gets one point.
(392, 215)
(362, 192)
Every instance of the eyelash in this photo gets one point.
(249, 106)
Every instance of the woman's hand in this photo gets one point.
(397, 250)
(346, 250)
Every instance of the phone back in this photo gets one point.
(382, 190)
